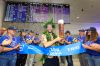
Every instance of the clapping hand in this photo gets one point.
(7, 41)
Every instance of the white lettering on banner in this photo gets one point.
(21, 48)
(35, 49)
(73, 48)
(30, 47)
(54, 51)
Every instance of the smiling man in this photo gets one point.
(10, 44)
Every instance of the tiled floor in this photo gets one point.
(75, 59)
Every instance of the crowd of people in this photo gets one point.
(10, 43)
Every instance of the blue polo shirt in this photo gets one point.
(21, 39)
(81, 38)
(69, 38)
(92, 52)
(36, 39)
(28, 37)
(12, 45)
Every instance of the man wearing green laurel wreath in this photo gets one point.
(49, 38)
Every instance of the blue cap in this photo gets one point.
(91, 29)
(12, 28)
(37, 33)
(81, 30)
(28, 37)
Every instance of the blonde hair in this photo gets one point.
(92, 37)
(4, 30)
(5, 33)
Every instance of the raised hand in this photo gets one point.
(59, 39)
(7, 41)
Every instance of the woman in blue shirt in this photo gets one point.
(93, 56)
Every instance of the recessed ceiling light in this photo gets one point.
(77, 17)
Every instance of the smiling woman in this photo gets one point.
(92, 44)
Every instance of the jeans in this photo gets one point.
(83, 60)
(69, 60)
(8, 60)
(93, 60)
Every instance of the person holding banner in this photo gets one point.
(5, 49)
(92, 38)
(49, 38)
(9, 41)
(30, 40)
(21, 58)
(2, 33)
(69, 40)
(81, 38)
(37, 40)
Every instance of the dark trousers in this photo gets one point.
(69, 60)
(51, 62)
(21, 59)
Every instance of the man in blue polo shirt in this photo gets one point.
(68, 41)
(30, 37)
(30, 40)
(8, 58)
(81, 37)
(36, 39)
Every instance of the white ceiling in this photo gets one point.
(81, 10)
